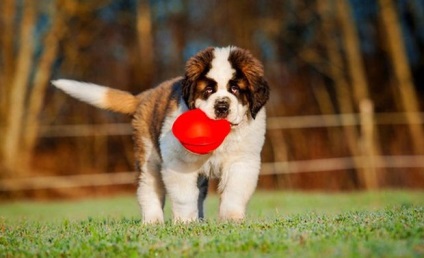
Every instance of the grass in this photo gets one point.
(383, 224)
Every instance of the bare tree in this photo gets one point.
(403, 77)
(8, 10)
(336, 72)
(145, 42)
(356, 70)
(18, 89)
(42, 76)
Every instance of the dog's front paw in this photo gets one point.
(231, 215)
(184, 220)
(184, 214)
(153, 218)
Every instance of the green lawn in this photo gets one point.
(384, 224)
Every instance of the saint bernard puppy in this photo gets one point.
(225, 83)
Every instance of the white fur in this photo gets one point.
(183, 193)
(88, 92)
(236, 162)
(240, 170)
(221, 72)
(180, 170)
(151, 192)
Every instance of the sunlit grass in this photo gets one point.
(389, 223)
(262, 205)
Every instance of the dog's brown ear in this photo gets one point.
(252, 69)
(259, 96)
(196, 66)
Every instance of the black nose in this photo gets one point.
(222, 108)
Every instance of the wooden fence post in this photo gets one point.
(368, 145)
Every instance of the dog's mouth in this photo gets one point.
(227, 117)
(231, 123)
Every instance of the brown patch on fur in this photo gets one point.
(200, 88)
(243, 84)
(243, 61)
(121, 101)
(201, 85)
(196, 66)
(154, 105)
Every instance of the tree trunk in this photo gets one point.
(336, 71)
(41, 81)
(14, 122)
(145, 42)
(7, 17)
(407, 93)
(359, 83)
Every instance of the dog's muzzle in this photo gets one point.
(222, 107)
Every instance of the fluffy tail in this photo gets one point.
(99, 96)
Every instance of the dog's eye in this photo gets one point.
(207, 91)
(234, 89)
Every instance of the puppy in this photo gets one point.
(225, 83)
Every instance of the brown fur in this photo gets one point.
(154, 105)
(252, 69)
(249, 77)
(196, 66)
(121, 101)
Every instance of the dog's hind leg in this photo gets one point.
(202, 184)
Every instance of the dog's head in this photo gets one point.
(225, 83)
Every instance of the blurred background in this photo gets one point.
(347, 81)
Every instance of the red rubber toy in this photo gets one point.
(198, 133)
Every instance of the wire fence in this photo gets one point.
(272, 168)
